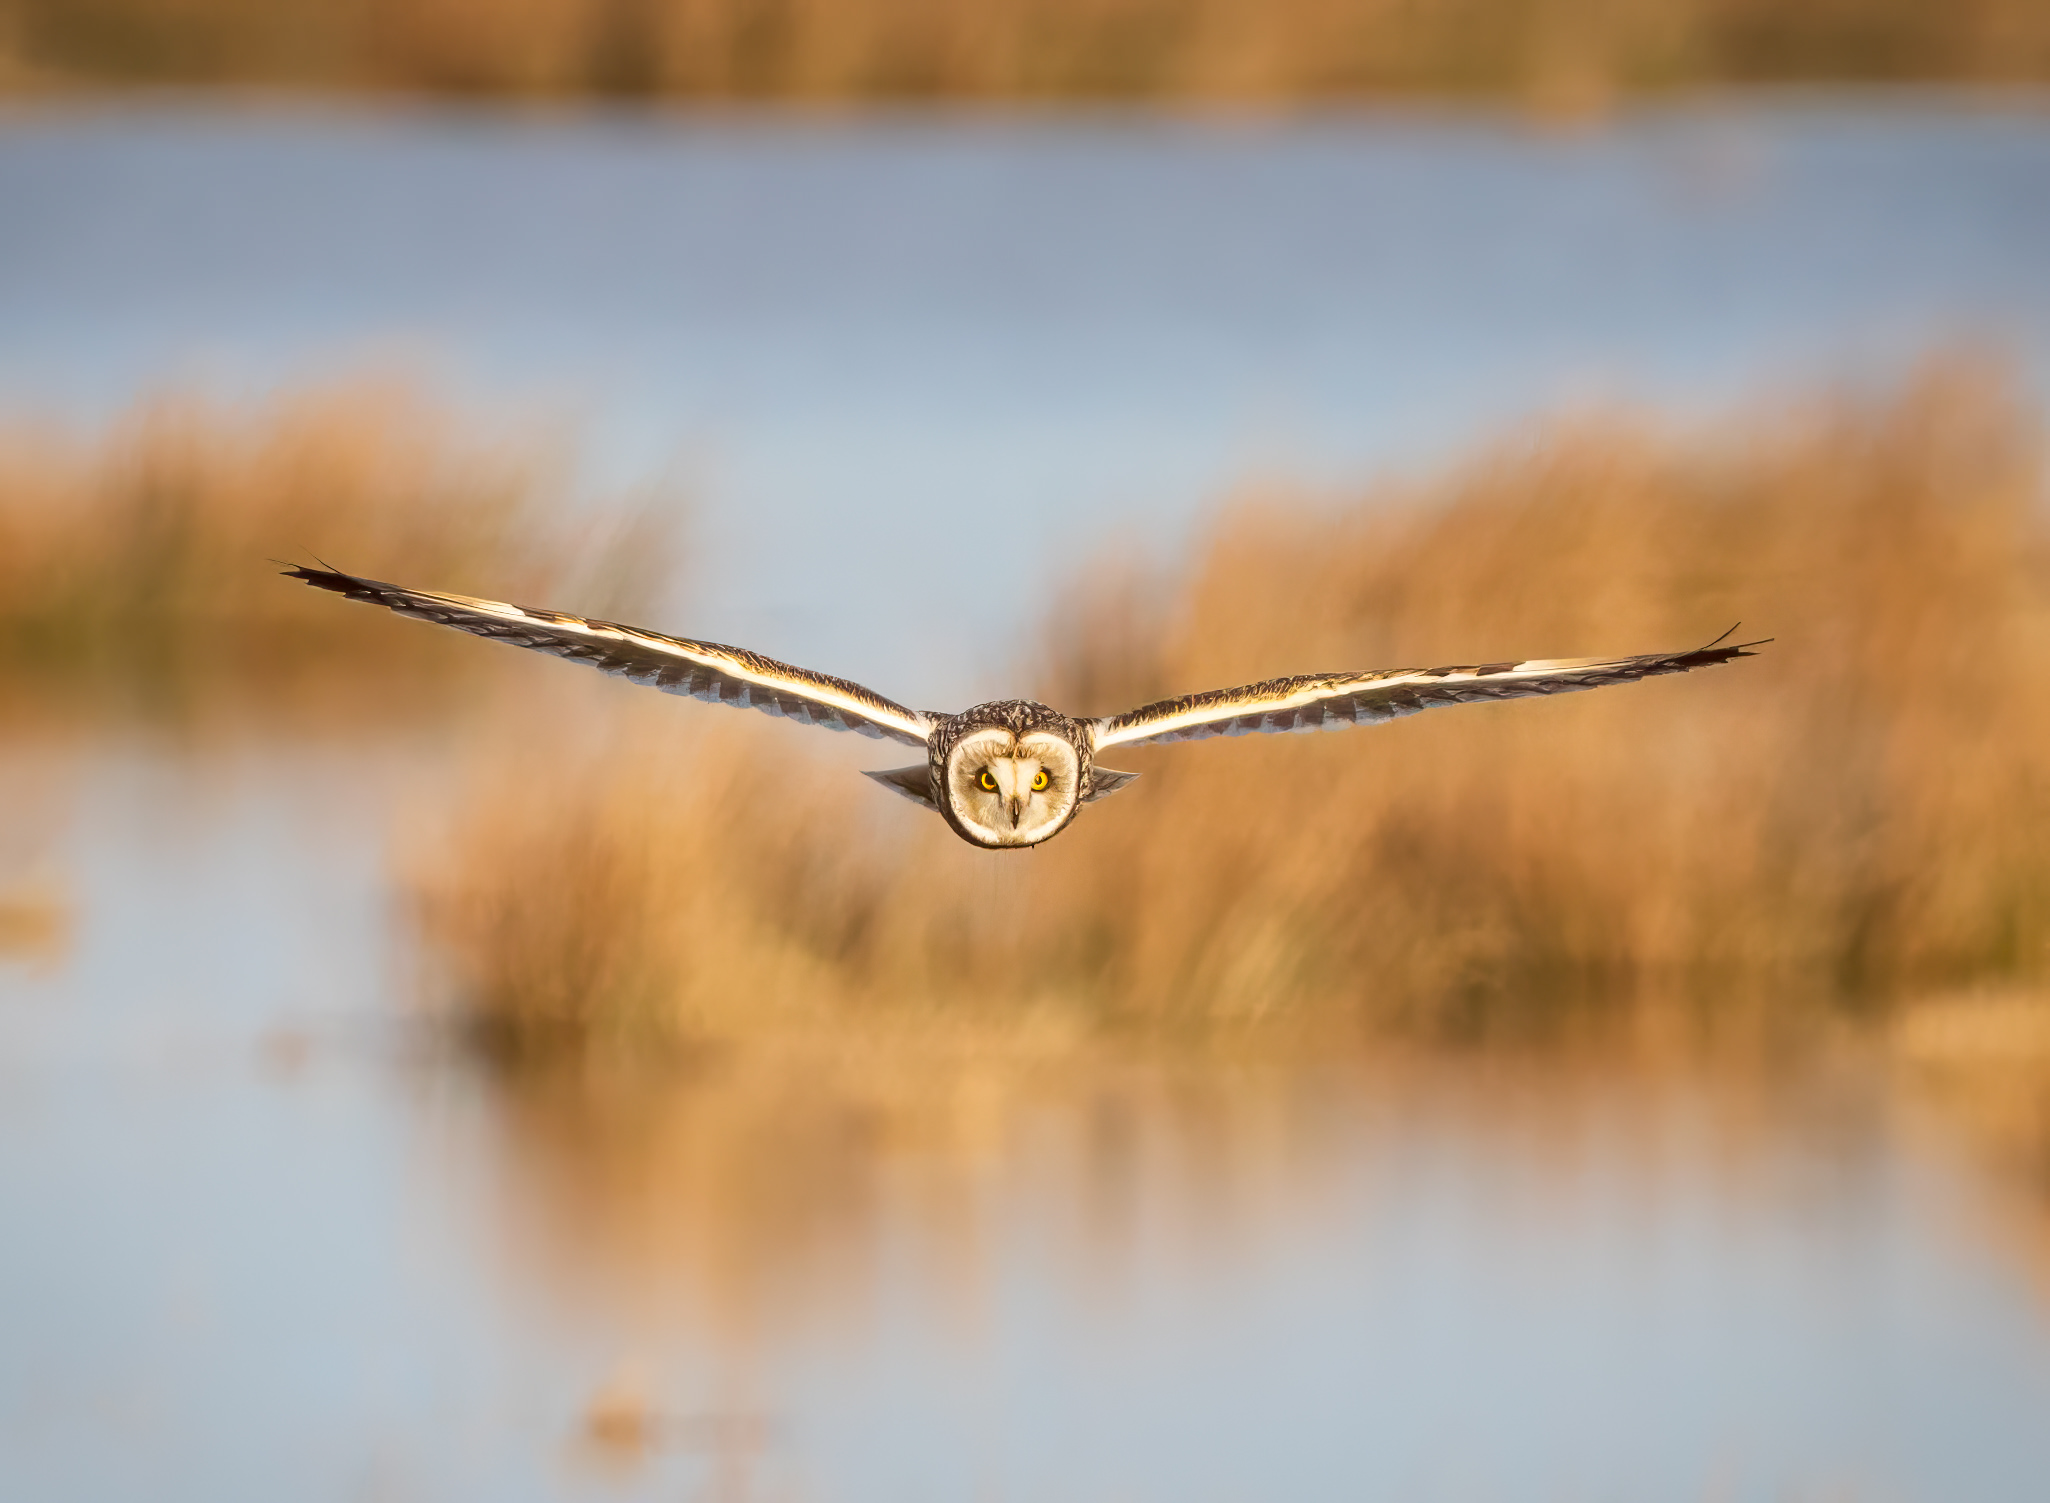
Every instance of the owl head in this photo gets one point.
(1007, 775)
(1006, 788)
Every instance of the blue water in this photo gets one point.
(912, 368)
(238, 1271)
(262, 1241)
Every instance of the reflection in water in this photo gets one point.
(1982, 1061)
(757, 1191)
(36, 910)
(253, 1244)
(1644, 1261)
(34, 922)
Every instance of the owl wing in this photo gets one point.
(1328, 701)
(703, 670)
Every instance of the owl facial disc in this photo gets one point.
(1006, 790)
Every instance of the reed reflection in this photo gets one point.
(1981, 1061)
(766, 1202)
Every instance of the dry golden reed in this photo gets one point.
(1863, 808)
(145, 553)
(1568, 54)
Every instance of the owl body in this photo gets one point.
(1011, 773)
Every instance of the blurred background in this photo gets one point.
(425, 1074)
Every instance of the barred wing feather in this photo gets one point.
(1317, 702)
(703, 670)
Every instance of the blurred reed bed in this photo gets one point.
(1559, 53)
(136, 563)
(1863, 808)
(1859, 812)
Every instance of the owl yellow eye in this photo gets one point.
(1040, 781)
(988, 781)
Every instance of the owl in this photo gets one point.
(1010, 774)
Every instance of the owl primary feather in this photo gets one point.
(1012, 773)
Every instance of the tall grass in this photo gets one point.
(1863, 809)
(1562, 52)
(141, 554)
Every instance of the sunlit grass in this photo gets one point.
(1857, 812)
(142, 555)
(1561, 54)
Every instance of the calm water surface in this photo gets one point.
(262, 1241)
(913, 368)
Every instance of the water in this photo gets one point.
(914, 368)
(264, 1240)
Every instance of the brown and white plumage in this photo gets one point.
(1010, 773)
(1330, 701)
(676, 665)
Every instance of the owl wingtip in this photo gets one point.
(1739, 650)
(325, 577)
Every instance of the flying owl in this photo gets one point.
(1012, 773)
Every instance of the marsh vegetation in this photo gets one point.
(761, 1048)
(745, 1015)
(1856, 814)
(133, 555)
(1558, 54)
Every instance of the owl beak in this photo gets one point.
(1017, 804)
